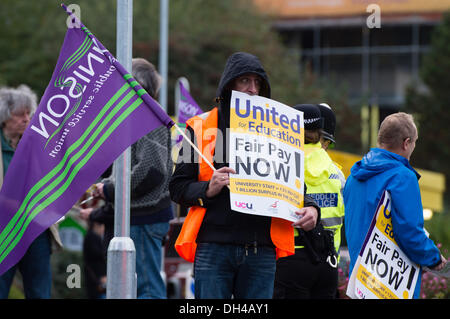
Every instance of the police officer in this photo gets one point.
(312, 272)
(335, 219)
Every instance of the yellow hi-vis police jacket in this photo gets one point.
(324, 181)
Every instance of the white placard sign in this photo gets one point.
(382, 270)
(266, 151)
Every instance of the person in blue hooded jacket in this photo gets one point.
(387, 168)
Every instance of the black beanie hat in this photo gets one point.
(329, 124)
(312, 118)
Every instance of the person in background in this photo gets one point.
(327, 138)
(151, 209)
(94, 261)
(387, 167)
(17, 105)
(234, 254)
(335, 220)
(312, 272)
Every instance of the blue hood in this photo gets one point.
(378, 161)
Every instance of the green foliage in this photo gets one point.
(16, 289)
(205, 33)
(329, 90)
(431, 105)
(202, 34)
(59, 262)
(435, 287)
(15, 293)
(437, 64)
(32, 33)
(432, 150)
(438, 227)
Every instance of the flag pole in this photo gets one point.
(196, 149)
(121, 262)
(163, 51)
(187, 139)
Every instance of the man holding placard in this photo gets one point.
(234, 252)
(387, 168)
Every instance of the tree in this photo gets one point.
(431, 107)
(202, 34)
(32, 33)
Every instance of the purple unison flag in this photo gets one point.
(187, 107)
(91, 111)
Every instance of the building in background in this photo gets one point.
(377, 60)
(335, 38)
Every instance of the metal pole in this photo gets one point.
(163, 50)
(121, 266)
(163, 61)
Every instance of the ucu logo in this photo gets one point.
(243, 205)
(360, 293)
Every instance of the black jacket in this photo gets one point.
(221, 224)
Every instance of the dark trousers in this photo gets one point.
(35, 269)
(222, 271)
(297, 277)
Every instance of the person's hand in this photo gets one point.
(98, 191)
(308, 218)
(219, 179)
(441, 265)
(85, 212)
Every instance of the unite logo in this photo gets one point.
(243, 205)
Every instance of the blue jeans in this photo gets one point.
(35, 269)
(222, 271)
(148, 243)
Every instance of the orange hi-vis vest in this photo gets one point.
(205, 129)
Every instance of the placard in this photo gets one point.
(382, 270)
(266, 151)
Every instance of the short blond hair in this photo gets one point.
(395, 129)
